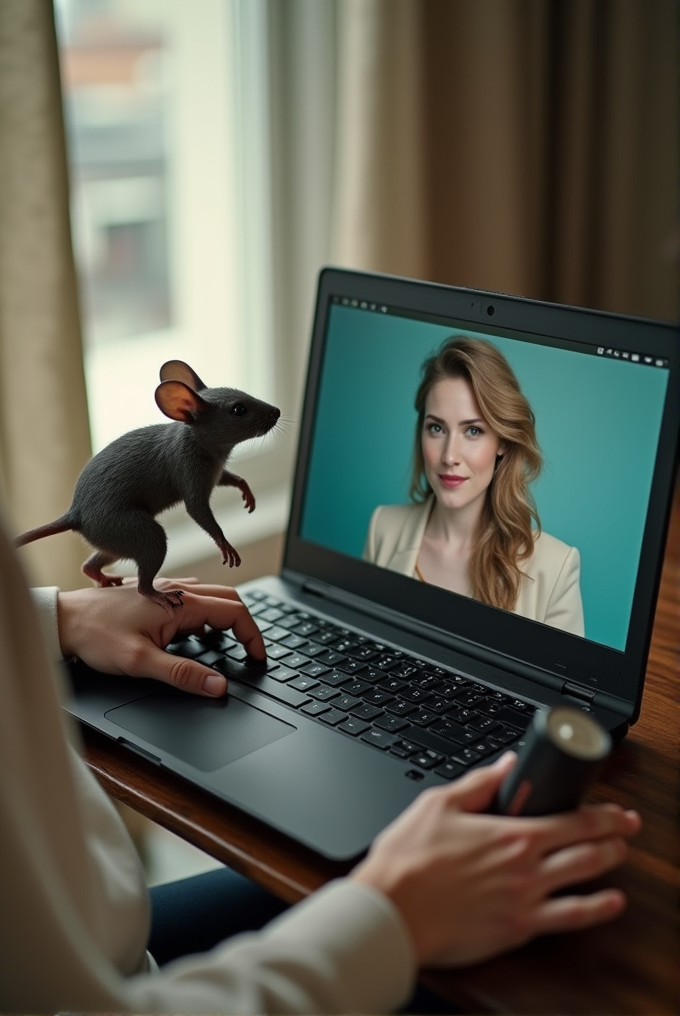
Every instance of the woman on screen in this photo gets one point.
(473, 526)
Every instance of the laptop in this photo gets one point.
(378, 684)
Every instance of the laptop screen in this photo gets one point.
(597, 387)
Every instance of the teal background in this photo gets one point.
(598, 422)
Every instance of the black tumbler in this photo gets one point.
(564, 751)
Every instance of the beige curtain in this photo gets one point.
(44, 435)
(525, 146)
(528, 146)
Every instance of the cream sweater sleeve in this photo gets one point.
(75, 914)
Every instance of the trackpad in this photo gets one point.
(205, 733)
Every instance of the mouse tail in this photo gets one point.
(60, 525)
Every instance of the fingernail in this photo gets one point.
(214, 684)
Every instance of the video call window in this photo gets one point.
(597, 421)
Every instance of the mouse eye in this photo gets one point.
(239, 409)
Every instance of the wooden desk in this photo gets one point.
(629, 966)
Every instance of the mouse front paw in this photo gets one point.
(247, 495)
(230, 555)
(111, 580)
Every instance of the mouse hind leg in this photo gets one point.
(93, 569)
(150, 555)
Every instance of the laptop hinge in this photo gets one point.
(575, 691)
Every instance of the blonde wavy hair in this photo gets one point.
(505, 536)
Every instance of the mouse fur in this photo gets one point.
(125, 486)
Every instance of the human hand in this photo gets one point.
(470, 885)
(120, 632)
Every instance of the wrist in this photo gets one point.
(64, 613)
(45, 601)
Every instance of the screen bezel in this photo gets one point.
(564, 656)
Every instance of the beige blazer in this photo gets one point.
(549, 589)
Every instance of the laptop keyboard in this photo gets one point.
(435, 718)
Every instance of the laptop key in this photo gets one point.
(366, 712)
(347, 702)
(427, 759)
(314, 669)
(379, 738)
(322, 693)
(451, 731)
(314, 708)
(273, 632)
(187, 647)
(405, 748)
(505, 735)
(326, 637)
(365, 653)
(261, 682)
(293, 641)
(356, 687)
(330, 658)
(334, 678)
(450, 770)
(303, 683)
(352, 726)
(332, 717)
(391, 723)
(485, 724)
(392, 684)
(373, 675)
(353, 667)
(296, 661)
(377, 697)
(416, 694)
(280, 673)
(272, 614)
(211, 657)
(277, 652)
(236, 652)
(312, 649)
(307, 628)
(426, 739)
(507, 714)
(466, 756)
(400, 708)
(423, 718)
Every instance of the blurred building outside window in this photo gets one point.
(167, 130)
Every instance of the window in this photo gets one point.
(166, 106)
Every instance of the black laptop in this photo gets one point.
(377, 684)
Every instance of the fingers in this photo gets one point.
(221, 613)
(570, 913)
(582, 862)
(187, 675)
(477, 790)
(198, 587)
(588, 823)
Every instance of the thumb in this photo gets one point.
(188, 675)
(477, 790)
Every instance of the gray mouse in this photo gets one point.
(125, 486)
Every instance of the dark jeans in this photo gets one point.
(195, 914)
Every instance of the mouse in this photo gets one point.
(122, 489)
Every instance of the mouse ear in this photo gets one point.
(180, 402)
(178, 370)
